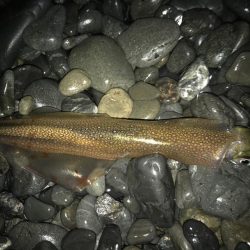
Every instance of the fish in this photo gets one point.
(192, 141)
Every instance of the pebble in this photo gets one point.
(169, 11)
(182, 55)
(26, 105)
(194, 79)
(219, 195)
(241, 8)
(70, 28)
(23, 76)
(233, 233)
(116, 103)
(68, 215)
(58, 61)
(242, 246)
(200, 236)
(114, 8)
(61, 196)
(131, 204)
(86, 216)
(150, 182)
(15, 18)
(140, 9)
(38, 211)
(7, 101)
(238, 73)
(147, 75)
(198, 214)
(27, 53)
(89, 21)
(141, 231)
(74, 82)
(10, 205)
(80, 103)
(218, 45)
(44, 245)
(211, 106)
(45, 93)
(4, 165)
(145, 109)
(45, 34)
(142, 91)
(5, 243)
(105, 63)
(97, 187)
(148, 40)
(25, 235)
(112, 27)
(78, 239)
(184, 195)
(110, 238)
(71, 42)
(197, 21)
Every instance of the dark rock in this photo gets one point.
(114, 8)
(44, 245)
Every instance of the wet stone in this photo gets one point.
(45, 245)
(145, 109)
(182, 55)
(10, 205)
(110, 238)
(27, 53)
(45, 34)
(238, 73)
(194, 79)
(80, 103)
(142, 91)
(45, 93)
(105, 63)
(5, 243)
(219, 195)
(212, 107)
(68, 215)
(61, 196)
(58, 61)
(150, 182)
(25, 235)
(114, 8)
(218, 45)
(142, 52)
(70, 28)
(116, 103)
(242, 246)
(131, 204)
(86, 216)
(78, 239)
(200, 236)
(89, 21)
(7, 102)
(140, 8)
(36, 210)
(26, 105)
(147, 75)
(74, 82)
(97, 187)
(24, 75)
(196, 21)
(241, 8)
(112, 27)
(141, 231)
(4, 165)
(71, 42)
(169, 11)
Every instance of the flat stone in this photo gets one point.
(116, 103)
(45, 34)
(148, 40)
(74, 82)
(105, 63)
(239, 72)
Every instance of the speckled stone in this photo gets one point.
(148, 40)
(26, 105)
(142, 231)
(74, 82)
(116, 103)
(45, 34)
(145, 109)
(105, 63)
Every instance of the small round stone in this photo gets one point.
(116, 103)
(61, 196)
(44, 245)
(97, 187)
(68, 215)
(74, 82)
(145, 109)
(143, 91)
(26, 105)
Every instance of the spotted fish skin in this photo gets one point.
(189, 140)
